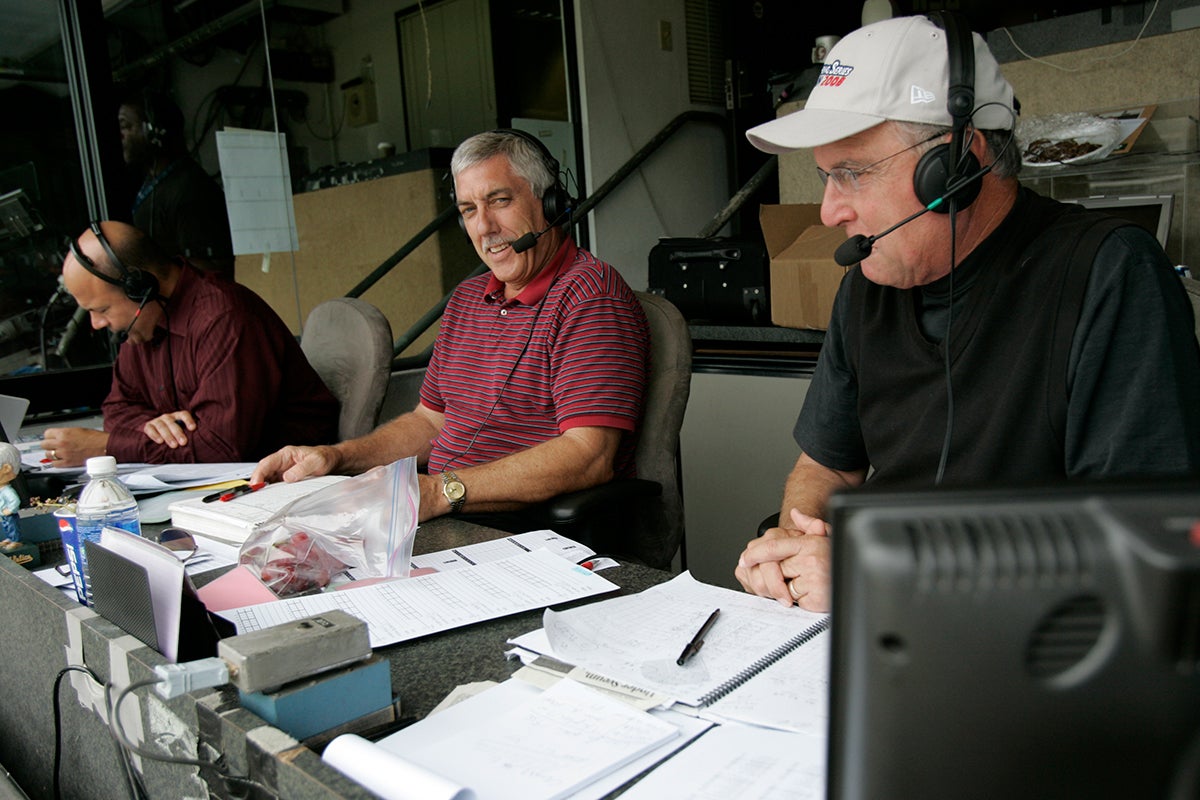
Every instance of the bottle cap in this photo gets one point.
(102, 465)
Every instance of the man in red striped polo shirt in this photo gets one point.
(536, 383)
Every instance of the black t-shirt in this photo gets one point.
(1133, 372)
(183, 210)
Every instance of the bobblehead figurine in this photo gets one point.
(10, 501)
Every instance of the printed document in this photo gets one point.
(406, 608)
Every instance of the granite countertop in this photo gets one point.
(702, 332)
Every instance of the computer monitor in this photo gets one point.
(18, 217)
(1149, 211)
(1016, 643)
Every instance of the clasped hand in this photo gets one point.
(790, 564)
(169, 428)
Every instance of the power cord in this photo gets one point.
(125, 765)
(171, 680)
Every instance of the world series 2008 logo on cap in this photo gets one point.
(834, 73)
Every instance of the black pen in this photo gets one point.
(697, 641)
(214, 497)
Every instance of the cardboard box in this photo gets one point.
(804, 276)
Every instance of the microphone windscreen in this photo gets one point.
(525, 242)
(852, 251)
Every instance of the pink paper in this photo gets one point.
(237, 588)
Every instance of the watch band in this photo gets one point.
(454, 490)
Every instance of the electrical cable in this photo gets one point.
(945, 456)
(1093, 61)
(118, 731)
(214, 107)
(170, 354)
(512, 370)
(57, 706)
(336, 131)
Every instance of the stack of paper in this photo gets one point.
(515, 742)
(232, 522)
(760, 663)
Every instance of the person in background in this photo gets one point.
(206, 372)
(537, 378)
(178, 204)
(1068, 356)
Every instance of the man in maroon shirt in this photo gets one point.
(206, 372)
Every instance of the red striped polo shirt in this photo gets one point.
(569, 351)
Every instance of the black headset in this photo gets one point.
(138, 285)
(945, 163)
(556, 202)
(160, 116)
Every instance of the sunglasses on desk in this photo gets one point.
(177, 540)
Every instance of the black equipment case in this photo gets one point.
(719, 280)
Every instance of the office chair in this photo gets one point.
(349, 343)
(640, 518)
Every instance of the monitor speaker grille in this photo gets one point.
(970, 553)
(1065, 636)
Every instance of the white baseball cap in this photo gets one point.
(896, 69)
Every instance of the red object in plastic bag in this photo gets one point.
(365, 523)
(296, 565)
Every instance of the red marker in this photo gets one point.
(238, 491)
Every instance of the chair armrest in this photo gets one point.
(597, 500)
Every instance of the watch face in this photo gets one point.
(454, 490)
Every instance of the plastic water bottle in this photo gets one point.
(104, 502)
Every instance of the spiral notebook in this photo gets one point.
(760, 662)
(778, 654)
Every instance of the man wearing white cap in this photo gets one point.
(1060, 346)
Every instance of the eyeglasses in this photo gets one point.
(180, 542)
(846, 178)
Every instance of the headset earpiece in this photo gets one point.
(931, 177)
(161, 118)
(946, 163)
(138, 285)
(155, 134)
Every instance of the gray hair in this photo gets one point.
(10, 455)
(526, 159)
(1002, 147)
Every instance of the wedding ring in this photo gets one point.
(54, 455)
(797, 596)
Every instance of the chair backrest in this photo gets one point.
(349, 343)
(667, 392)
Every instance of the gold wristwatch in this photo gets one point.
(454, 490)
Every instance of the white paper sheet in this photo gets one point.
(483, 552)
(258, 191)
(160, 477)
(515, 740)
(636, 639)
(742, 762)
(403, 609)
